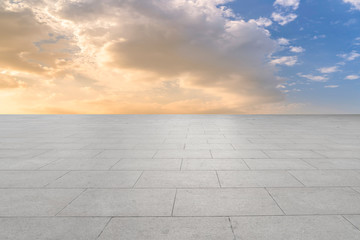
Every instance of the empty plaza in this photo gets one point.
(153, 177)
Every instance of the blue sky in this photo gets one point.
(180, 56)
(327, 31)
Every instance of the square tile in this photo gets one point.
(224, 202)
(292, 154)
(237, 154)
(293, 227)
(175, 228)
(122, 202)
(28, 179)
(97, 179)
(148, 164)
(330, 178)
(317, 200)
(178, 179)
(214, 164)
(81, 164)
(277, 164)
(257, 179)
(35, 202)
(183, 154)
(51, 228)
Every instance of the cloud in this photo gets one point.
(297, 49)
(285, 60)
(350, 56)
(283, 41)
(116, 56)
(294, 4)
(262, 22)
(354, 3)
(314, 78)
(352, 77)
(331, 86)
(319, 36)
(283, 18)
(328, 69)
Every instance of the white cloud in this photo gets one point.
(261, 22)
(283, 18)
(283, 41)
(352, 77)
(314, 78)
(319, 36)
(285, 60)
(328, 69)
(355, 3)
(294, 4)
(331, 86)
(350, 56)
(297, 49)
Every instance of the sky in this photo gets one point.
(179, 56)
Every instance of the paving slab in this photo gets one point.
(331, 178)
(28, 179)
(97, 179)
(51, 228)
(293, 228)
(35, 202)
(354, 219)
(148, 164)
(81, 164)
(335, 163)
(277, 164)
(317, 200)
(178, 179)
(224, 202)
(238, 154)
(257, 179)
(175, 228)
(214, 164)
(122, 202)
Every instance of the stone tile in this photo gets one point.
(148, 164)
(257, 179)
(81, 164)
(51, 228)
(333, 163)
(28, 179)
(292, 154)
(340, 153)
(317, 200)
(174, 228)
(237, 154)
(214, 164)
(122, 202)
(224, 202)
(293, 227)
(183, 154)
(97, 179)
(354, 219)
(209, 146)
(68, 153)
(35, 202)
(319, 178)
(126, 154)
(277, 164)
(178, 179)
(20, 153)
(24, 163)
(302, 146)
(256, 146)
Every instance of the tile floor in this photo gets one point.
(154, 177)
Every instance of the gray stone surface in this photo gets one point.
(63, 228)
(175, 228)
(180, 177)
(122, 202)
(257, 179)
(294, 228)
(317, 200)
(224, 202)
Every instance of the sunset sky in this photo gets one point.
(179, 56)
